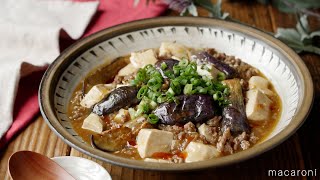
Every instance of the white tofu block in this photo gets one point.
(141, 59)
(169, 49)
(267, 92)
(208, 70)
(258, 82)
(96, 94)
(150, 141)
(204, 131)
(258, 105)
(156, 160)
(127, 70)
(93, 123)
(122, 116)
(200, 152)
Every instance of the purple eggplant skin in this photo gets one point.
(169, 62)
(117, 99)
(220, 65)
(235, 120)
(194, 108)
(234, 115)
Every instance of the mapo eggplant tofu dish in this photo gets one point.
(174, 104)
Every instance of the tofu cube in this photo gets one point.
(199, 152)
(169, 49)
(150, 141)
(141, 59)
(122, 116)
(127, 70)
(258, 82)
(156, 160)
(267, 92)
(93, 123)
(96, 94)
(258, 105)
(208, 70)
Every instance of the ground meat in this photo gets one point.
(124, 79)
(223, 139)
(212, 135)
(189, 127)
(174, 129)
(176, 159)
(253, 139)
(239, 141)
(214, 122)
(228, 148)
(182, 136)
(141, 125)
(245, 145)
(78, 112)
(229, 144)
(244, 70)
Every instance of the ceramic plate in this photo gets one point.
(82, 169)
(279, 63)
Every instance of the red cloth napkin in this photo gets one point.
(110, 13)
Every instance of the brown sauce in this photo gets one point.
(106, 74)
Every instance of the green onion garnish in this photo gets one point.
(163, 66)
(187, 89)
(153, 119)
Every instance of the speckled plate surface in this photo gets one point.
(279, 63)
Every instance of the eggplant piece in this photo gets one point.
(117, 99)
(194, 108)
(234, 115)
(112, 140)
(220, 65)
(169, 62)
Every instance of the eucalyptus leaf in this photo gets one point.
(303, 28)
(292, 6)
(289, 35)
(214, 9)
(192, 9)
(299, 39)
(314, 34)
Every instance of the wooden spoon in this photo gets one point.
(27, 165)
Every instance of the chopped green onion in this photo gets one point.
(226, 91)
(163, 66)
(132, 113)
(153, 119)
(144, 107)
(217, 96)
(153, 105)
(162, 98)
(221, 76)
(184, 62)
(170, 92)
(142, 91)
(203, 90)
(195, 82)
(183, 79)
(176, 69)
(187, 89)
(175, 86)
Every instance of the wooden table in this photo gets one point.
(301, 151)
